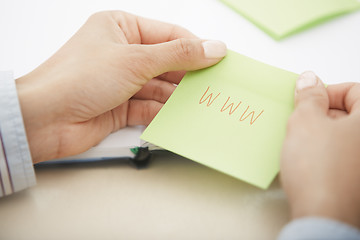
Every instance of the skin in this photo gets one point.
(116, 71)
(321, 154)
(119, 69)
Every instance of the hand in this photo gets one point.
(320, 166)
(117, 70)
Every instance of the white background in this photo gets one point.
(33, 30)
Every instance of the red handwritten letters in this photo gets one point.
(209, 98)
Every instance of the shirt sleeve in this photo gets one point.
(314, 228)
(16, 168)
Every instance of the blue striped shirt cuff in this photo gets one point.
(16, 168)
(316, 228)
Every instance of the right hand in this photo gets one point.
(320, 165)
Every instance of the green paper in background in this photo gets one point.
(205, 131)
(281, 18)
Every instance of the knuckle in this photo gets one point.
(312, 100)
(150, 109)
(176, 31)
(312, 94)
(185, 48)
(116, 15)
(140, 64)
(100, 14)
(319, 97)
(146, 113)
(158, 93)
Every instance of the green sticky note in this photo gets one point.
(231, 117)
(281, 18)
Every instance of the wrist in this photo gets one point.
(339, 208)
(37, 118)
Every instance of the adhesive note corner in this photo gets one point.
(231, 117)
(282, 18)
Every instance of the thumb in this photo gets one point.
(310, 94)
(184, 54)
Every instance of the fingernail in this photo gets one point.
(305, 80)
(214, 49)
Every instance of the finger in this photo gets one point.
(344, 96)
(310, 95)
(157, 90)
(181, 54)
(174, 77)
(142, 112)
(90, 133)
(153, 31)
(141, 30)
(336, 113)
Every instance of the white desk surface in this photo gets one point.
(174, 198)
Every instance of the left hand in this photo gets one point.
(117, 70)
